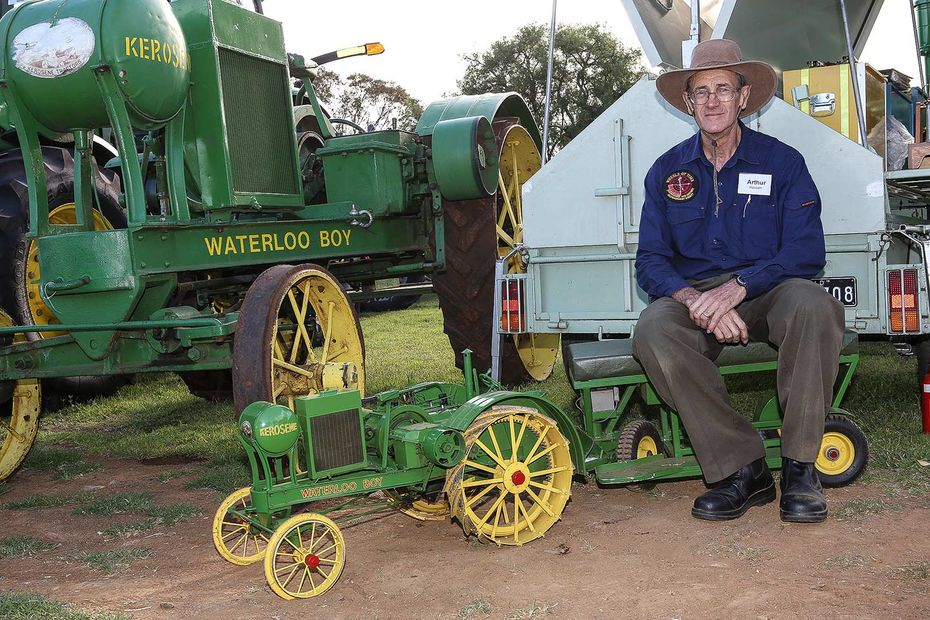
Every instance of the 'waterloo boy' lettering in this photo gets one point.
(259, 243)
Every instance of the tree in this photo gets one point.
(369, 102)
(590, 70)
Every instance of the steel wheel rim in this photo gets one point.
(512, 501)
(295, 361)
(39, 312)
(19, 417)
(306, 557)
(233, 536)
(519, 160)
(837, 454)
(646, 447)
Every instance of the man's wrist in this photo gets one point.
(686, 295)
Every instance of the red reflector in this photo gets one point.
(894, 301)
(512, 306)
(911, 320)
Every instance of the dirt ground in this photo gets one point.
(616, 553)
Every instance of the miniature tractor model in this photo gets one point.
(237, 215)
(500, 463)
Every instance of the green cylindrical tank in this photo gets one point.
(51, 50)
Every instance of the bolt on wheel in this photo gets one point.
(305, 557)
(297, 334)
(238, 541)
(19, 414)
(515, 479)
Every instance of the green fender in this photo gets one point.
(488, 105)
(578, 445)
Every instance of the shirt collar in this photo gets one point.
(745, 150)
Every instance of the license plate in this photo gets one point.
(842, 289)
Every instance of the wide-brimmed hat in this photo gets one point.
(720, 54)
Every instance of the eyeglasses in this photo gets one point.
(700, 96)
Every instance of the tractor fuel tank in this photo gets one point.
(58, 54)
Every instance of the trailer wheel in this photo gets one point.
(19, 266)
(305, 557)
(515, 479)
(477, 233)
(275, 357)
(19, 414)
(844, 452)
(639, 439)
(236, 540)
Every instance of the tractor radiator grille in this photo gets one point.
(259, 124)
(336, 439)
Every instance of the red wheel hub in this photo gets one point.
(518, 478)
(833, 454)
(312, 561)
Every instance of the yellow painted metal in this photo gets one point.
(646, 447)
(19, 417)
(837, 454)
(235, 540)
(304, 358)
(38, 311)
(422, 508)
(518, 162)
(305, 558)
(515, 479)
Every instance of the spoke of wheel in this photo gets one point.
(479, 495)
(327, 560)
(487, 451)
(516, 518)
(480, 466)
(539, 440)
(526, 516)
(238, 542)
(335, 355)
(290, 575)
(540, 502)
(546, 487)
(325, 575)
(507, 206)
(303, 577)
(9, 428)
(536, 457)
(312, 585)
(290, 367)
(497, 520)
(279, 390)
(504, 236)
(545, 472)
(478, 483)
(500, 501)
(329, 331)
(290, 402)
(519, 439)
(327, 549)
(239, 527)
(299, 314)
(312, 537)
(278, 352)
(513, 438)
(497, 446)
(515, 187)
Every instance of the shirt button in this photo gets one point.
(716, 242)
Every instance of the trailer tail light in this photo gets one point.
(903, 305)
(513, 306)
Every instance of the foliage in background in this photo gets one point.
(367, 101)
(591, 69)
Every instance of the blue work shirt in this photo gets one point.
(766, 230)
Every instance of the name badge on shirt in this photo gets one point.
(755, 184)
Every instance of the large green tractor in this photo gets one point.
(224, 235)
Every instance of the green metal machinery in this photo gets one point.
(238, 214)
(500, 463)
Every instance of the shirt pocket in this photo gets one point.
(760, 229)
(687, 224)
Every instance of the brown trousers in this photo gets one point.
(798, 317)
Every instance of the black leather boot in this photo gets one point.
(801, 494)
(750, 485)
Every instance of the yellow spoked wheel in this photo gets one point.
(297, 334)
(235, 539)
(305, 558)
(844, 451)
(515, 479)
(38, 311)
(19, 414)
(519, 161)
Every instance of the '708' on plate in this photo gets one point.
(842, 289)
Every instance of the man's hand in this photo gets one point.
(711, 306)
(686, 296)
(731, 329)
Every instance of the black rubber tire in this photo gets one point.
(466, 287)
(14, 208)
(392, 304)
(631, 436)
(843, 425)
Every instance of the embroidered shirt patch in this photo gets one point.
(680, 186)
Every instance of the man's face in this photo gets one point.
(714, 116)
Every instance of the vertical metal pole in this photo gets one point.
(545, 149)
(854, 71)
(687, 47)
(921, 67)
(495, 319)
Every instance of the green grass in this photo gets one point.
(36, 502)
(475, 609)
(31, 606)
(22, 546)
(112, 561)
(158, 418)
(919, 570)
(116, 504)
(67, 464)
(860, 508)
(133, 528)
